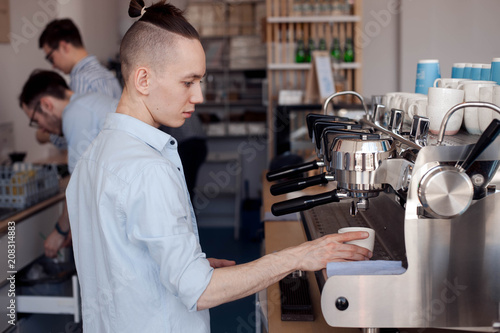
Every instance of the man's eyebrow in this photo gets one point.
(195, 76)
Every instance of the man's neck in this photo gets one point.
(78, 55)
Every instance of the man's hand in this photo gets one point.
(314, 255)
(218, 263)
(53, 243)
(42, 136)
(231, 283)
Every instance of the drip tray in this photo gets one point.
(385, 216)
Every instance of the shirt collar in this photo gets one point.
(137, 128)
(82, 63)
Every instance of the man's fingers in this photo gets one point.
(352, 235)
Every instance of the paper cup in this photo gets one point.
(367, 243)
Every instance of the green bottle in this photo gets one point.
(348, 51)
(322, 44)
(300, 52)
(311, 47)
(335, 50)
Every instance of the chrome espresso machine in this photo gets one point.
(434, 203)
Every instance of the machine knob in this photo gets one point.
(445, 192)
(342, 303)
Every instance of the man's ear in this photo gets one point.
(64, 46)
(142, 80)
(47, 104)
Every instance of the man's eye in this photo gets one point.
(188, 84)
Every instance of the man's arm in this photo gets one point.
(56, 240)
(234, 282)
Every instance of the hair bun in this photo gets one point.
(135, 8)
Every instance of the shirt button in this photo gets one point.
(172, 142)
(179, 169)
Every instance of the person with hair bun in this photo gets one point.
(139, 261)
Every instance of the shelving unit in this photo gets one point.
(231, 34)
(284, 26)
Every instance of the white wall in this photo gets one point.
(448, 30)
(379, 42)
(98, 23)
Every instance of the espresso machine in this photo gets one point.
(434, 204)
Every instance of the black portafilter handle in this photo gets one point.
(298, 184)
(488, 136)
(291, 170)
(304, 203)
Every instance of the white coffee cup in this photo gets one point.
(440, 101)
(490, 94)
(418, 108)
(410, 100)
(471, 90)
(447, 83)
(367, 243)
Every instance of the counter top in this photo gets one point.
(25, 213)
(56, 158)
(280, 234)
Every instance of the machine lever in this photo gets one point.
(294, 170)
(300, 184)
(304, 203)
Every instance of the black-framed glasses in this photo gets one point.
(48, 57)
(33, 121)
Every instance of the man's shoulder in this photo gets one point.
(124, 155)
(93, 101)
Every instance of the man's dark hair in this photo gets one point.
(151, 39)
(60, 30)
(42, 83)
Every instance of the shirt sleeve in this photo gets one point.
(158, 218)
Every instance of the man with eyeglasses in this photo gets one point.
(54, 108)
(64, 49)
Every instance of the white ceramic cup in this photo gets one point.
(418, 108)
(367, 243)
(440, 101)
(411, 100)
(471, 90)
(447, 83)
(490, 94)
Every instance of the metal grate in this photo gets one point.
(296, 302)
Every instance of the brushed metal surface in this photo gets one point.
(453, 272)
(445, 192)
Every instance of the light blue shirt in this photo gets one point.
(89, 76)
(82, 120)
(135, 239)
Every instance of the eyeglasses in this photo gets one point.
(48, 57)
(33, 121)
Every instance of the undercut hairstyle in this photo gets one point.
(151, 40)
(60, 30)
(42, 83)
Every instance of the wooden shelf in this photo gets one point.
(306, 66)
(284, 30)
(315, 19)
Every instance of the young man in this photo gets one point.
(52, 107)
(138, 257)
(64, 49)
